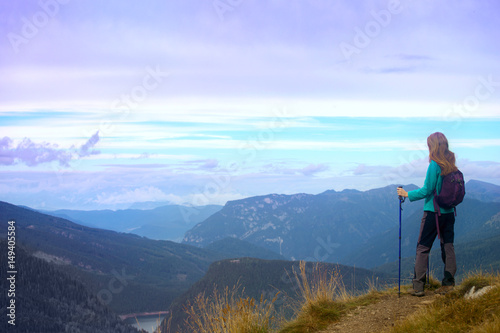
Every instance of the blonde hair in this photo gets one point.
(440, 153)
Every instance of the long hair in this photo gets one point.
(439, 153)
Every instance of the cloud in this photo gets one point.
(312, 169)
(142, 194)
(6, 157)
(402, 69)
(137, 166)
(364, 169)
(117, 188)
(284, 169)
(415, 171)
(410, 171)
(479, 169)
(33, 154)
(208, 164)
(143, 156)
(414, 57)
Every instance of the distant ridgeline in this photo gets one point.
(168, 222)
(348, 227)
(324, 227)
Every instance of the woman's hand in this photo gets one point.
(402, 193)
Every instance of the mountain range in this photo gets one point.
(349, 227)
(483, 191)
(325, 227)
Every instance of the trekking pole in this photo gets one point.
(401, 200)
(429, 269)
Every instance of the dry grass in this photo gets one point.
(490, 326)
(229, 312)
(324, 299)
(159, 325)
(454, 313)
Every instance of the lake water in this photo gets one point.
(147, 323)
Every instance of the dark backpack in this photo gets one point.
(452, 190)
(452, 193)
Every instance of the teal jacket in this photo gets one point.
(433, 181)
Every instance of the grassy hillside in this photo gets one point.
(326, 306)
(256, 278)
(474, 306)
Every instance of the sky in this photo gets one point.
(104, 105)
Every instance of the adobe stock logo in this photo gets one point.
(30, 28)
(223, 6)
(372, 28)
(123, 106)
(115, 286)
(485, 88)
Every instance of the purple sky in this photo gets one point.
(104, 104)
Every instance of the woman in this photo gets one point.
(441, 163)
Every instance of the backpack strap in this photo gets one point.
(437, 214)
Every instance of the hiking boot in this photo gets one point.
(418, 293)
(444, 290)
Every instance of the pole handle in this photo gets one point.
(402, 199)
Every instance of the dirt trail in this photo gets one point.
(382, 315)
